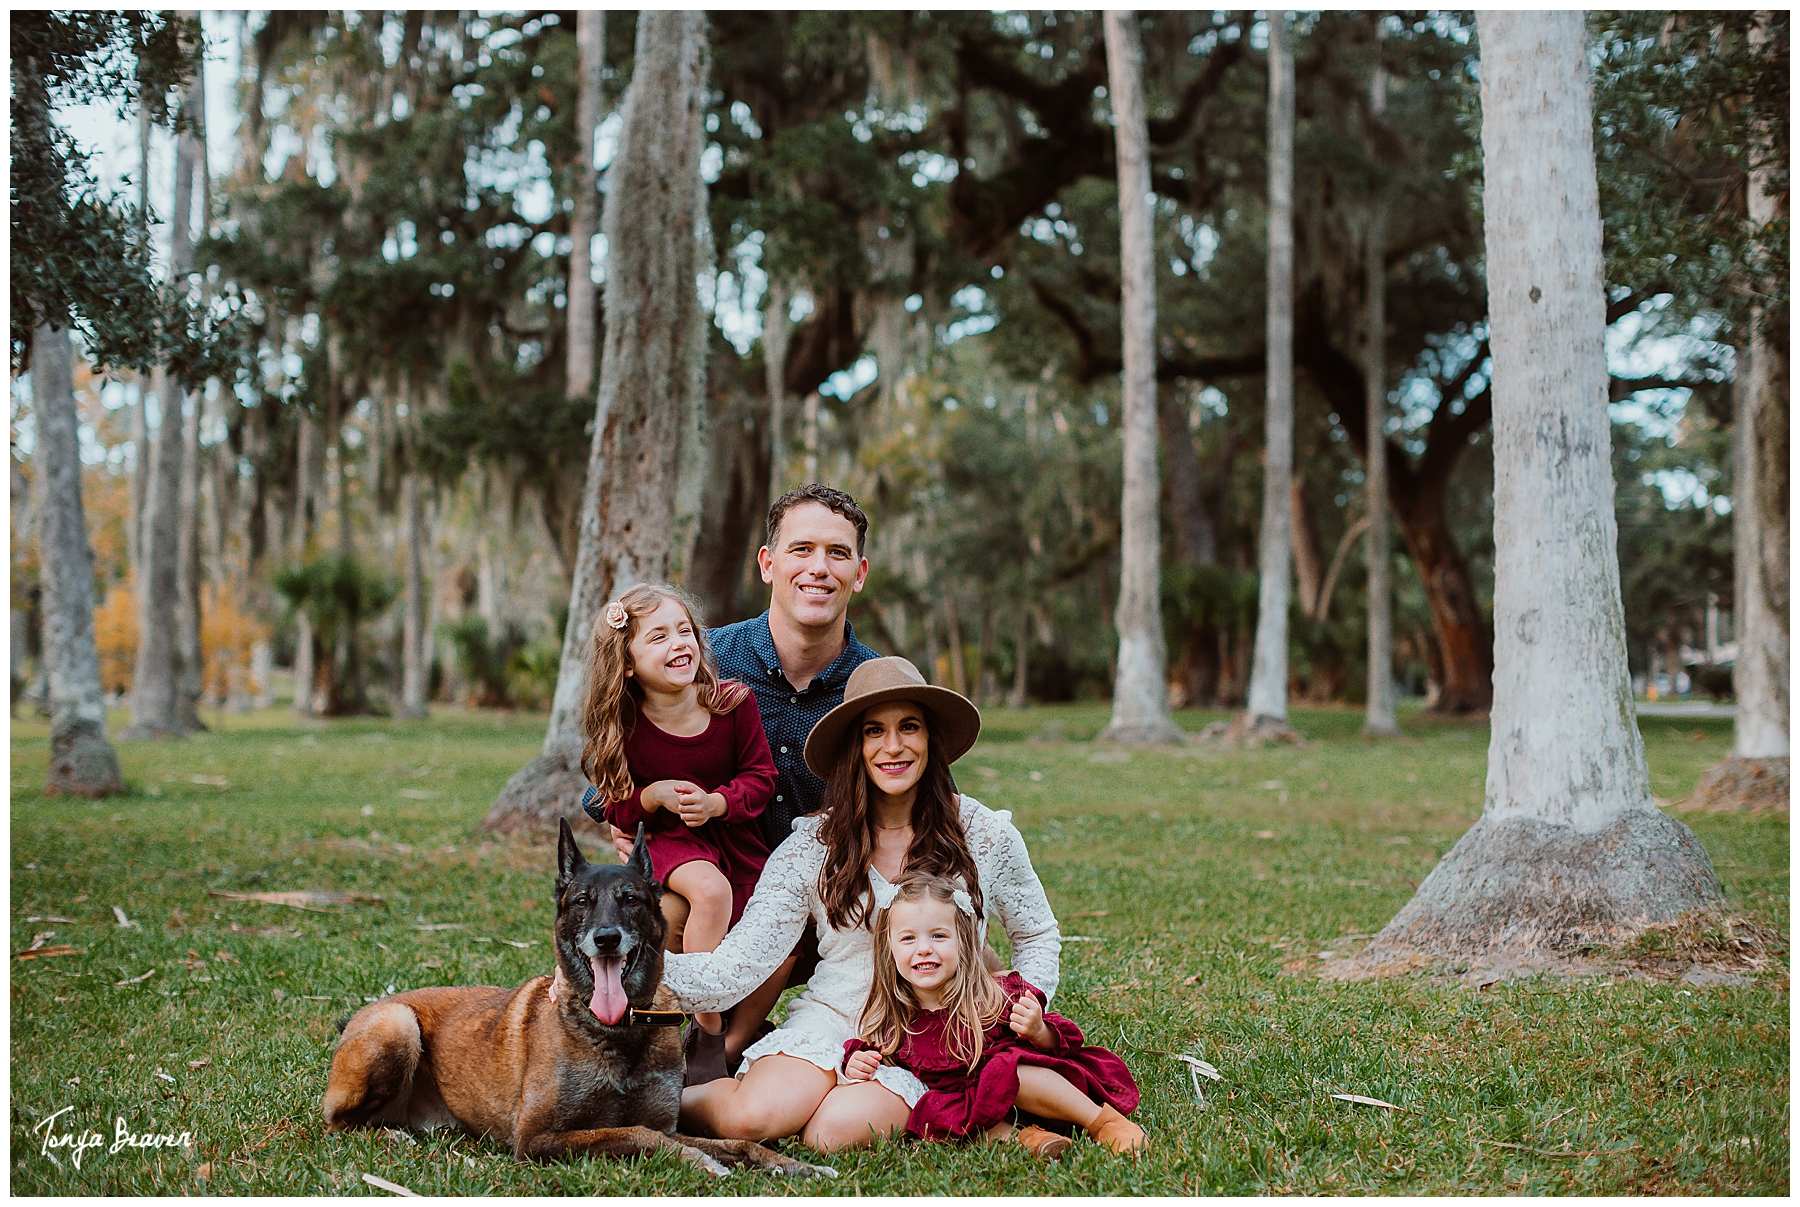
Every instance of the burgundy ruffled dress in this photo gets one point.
(959, 1104)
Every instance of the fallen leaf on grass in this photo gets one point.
(214, 781)
(1360, 1100)
(419, 794)
(441, 926)
(1083, 939)
(520, 945)
(1197, 1069)
(1265, 834)
(122, 919)
(1193, 980)
(201, 1063)
(315, 997)
(165, 1076)
(51, 952)
(204, 1170)
(49, 918)
(390, 1187)
(136, 980)
(316, 900)
(1092, 913)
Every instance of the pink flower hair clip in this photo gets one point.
(616, 615)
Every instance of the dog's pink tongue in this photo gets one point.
(608, 1004)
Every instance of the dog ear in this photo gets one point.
(640, 857)
(568, 856)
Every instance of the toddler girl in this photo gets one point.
(672, 746)
(981, 1045)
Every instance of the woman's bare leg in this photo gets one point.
(1048, 1093)
(853, 1116)
(748, 1014)
(774, 1098)
(708, 896)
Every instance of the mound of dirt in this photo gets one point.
(1740, 785)
(1248, 733)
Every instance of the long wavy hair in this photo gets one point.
(973, 997)
(939, 846)
(615, 698)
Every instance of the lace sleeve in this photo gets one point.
(772, 924)
(1012, 892)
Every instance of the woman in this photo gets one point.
(891, 807)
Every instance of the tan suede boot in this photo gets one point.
(1046, 1146)
(1114, 1131)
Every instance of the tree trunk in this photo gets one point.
(1464, 645)
(1140, 685)
(1196, 535)
(157, 679)
(775, 350)
(1021, 695)
(82, 760)
(188, 676)
(1309, 554)
(732, 509)
(654, 203)
(959, 669)
(1569, 849)
(415, 667)
(590, 36)
(305, 668)
(1268, 675)
(1378, 711)
(810, 471)
(1760, 517)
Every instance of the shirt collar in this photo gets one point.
(837, 672)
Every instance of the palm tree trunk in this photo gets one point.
(82, 760)
(1570, 848)
(414, 668)
(1268, 675)
(654, 201)
(157, 680)
(1140, 685)
(1378, 712)
(590, 36)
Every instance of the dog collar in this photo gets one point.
(657, 1018)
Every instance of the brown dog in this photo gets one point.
(597, 1072)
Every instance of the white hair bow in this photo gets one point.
(964, 902)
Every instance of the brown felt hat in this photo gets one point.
(879, 681)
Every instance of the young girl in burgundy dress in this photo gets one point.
(982, 1045)
(672, 746)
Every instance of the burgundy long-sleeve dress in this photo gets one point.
(731, 758)
(959, 1104)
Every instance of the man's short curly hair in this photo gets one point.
(825, 496)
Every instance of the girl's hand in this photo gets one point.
(861, 1065)
(666, 794)
(697, 807)
(1027, 1022)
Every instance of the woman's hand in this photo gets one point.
(861, 1066)
(697, 807)
(1027, 1022)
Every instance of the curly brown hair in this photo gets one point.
(939, 846)
(614, 698)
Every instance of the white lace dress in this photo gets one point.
(825, 1015)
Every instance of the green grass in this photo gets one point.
(1155, 854)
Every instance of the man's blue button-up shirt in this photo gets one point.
(745, 651)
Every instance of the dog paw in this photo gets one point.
(695, 1157)
(800, 1169)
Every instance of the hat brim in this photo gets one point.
(957, 722)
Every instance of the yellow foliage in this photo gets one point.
(116, 633)
(227, 632)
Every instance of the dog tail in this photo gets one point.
(342, 1023)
